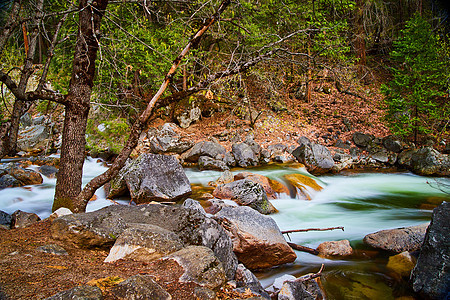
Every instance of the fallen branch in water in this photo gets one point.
(303, 248)
(312, 229)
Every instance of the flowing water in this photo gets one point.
(360, 202)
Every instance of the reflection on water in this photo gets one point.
(363, 203)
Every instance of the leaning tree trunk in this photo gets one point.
(77, 105)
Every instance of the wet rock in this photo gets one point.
(21, 219)
(305, 290)
(278, 282)
(25, 176)
(398, 240)
(361, 139)
(198, 265)
(152, 177)
(257, 240)
(431, 276)
(208, 163)
(52, 249)
(5, 219)
(307, 185)
(84, 292)
(205, 148)
(48, 171)
(315, 157)
(335, 249)
(102, 227)
(139, 287)
(257, 178)
(33, 137)
(245, 192)
(402, 264)
(244, 155)
(144, 242)
(225, 177)
(7, 181)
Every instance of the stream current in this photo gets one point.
(362, 203)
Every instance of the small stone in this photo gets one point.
(335, 249)
(52, 249)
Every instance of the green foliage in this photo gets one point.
(416, 99)
(110, 135)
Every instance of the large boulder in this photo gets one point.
(244, 155)
(144, 242)
(166, 140)
(204, 148)
(8, 181)
(26, 176)
(245, 192)
(102, 227)
(315, 157)
(257, 240)
(399, 239)
(152, 177)
(265, 182)
(431, 276)
(428, 161)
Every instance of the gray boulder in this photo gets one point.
(83, 292)
(188, 116)
(144, 242)
(244, 155)
(139, 287)
(152, 177)
(33, 137)
(204, 148)
(398, 240)
(208, 163)
(431, 276)
(428, 161)
(25, 176)
(315, 157)
(393, 144)
(257, 240)
(247, 193)
(193, 264)
(102, 227)
(169, 144)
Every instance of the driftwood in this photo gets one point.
(312, 229)
(303, 248)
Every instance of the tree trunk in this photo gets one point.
(360, 42)
(68, 183)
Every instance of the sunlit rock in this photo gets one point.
(335, 249)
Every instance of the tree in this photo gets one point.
(417, 96)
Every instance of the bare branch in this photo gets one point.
(312, 229)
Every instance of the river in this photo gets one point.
(360, 202)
